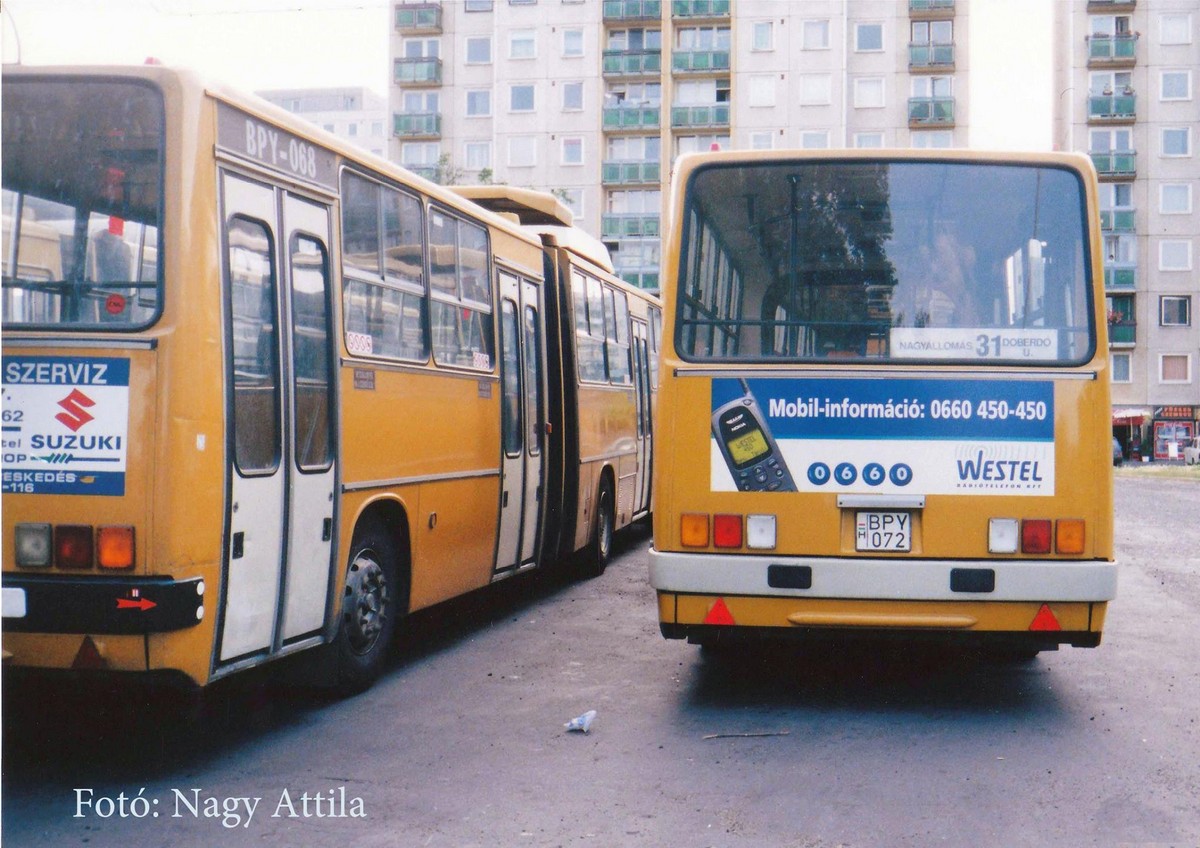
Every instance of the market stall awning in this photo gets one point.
(1130, 416)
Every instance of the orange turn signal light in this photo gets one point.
(693, 530)
(1069, 536)
(114, 547)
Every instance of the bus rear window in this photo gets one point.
(82, 203)
(870, 260)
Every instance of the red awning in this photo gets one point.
(1130, 417)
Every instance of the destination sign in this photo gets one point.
(274, 147)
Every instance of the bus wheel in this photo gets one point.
(600, 548)
(368, 617)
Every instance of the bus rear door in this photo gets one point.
(280, 423)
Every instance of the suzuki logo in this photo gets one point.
(75, 416)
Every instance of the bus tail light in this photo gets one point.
(1069, 536)
(693, 530)
(760, 532)
(1003, 535)
(33, 545)
(1035, 536)
(114, 547)
(727, 531)
(73, 546)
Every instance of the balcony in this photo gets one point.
(927, 112)
(1112, 51)
(632, 63)
(625, 11)
(417, 125)
(418, 72)
(1112, 108)
(622, 225)
(930, 9)
(419, 17)
(642, 279)
(930, 57)
(1122, 334)
(693, 117)
(1119, 165)
(699, 61)
(618, 118)
(1117, 220)
(623, 172)
(700, 8)
(1120, 276)
(429, 172)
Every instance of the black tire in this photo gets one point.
(370, 607)
(599, 550)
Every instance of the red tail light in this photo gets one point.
(73, 546)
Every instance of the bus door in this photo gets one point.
(279, 513)
(521, 402)
(641, 387)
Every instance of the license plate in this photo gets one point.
(883, 531)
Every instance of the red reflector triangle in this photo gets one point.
(88, 656)
(1045, 620)
(719, 614)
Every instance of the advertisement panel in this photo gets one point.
(66, 422)
(863, 436)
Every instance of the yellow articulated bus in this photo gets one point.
(896, 366)
(265, 393)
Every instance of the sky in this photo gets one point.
(265, 44)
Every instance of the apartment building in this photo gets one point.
(594, 100)
(1126, 95)
(355, 114)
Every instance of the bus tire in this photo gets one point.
(369, 609)
(599, 550)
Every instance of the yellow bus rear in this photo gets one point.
(884, 407)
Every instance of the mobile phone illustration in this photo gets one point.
(749, 448)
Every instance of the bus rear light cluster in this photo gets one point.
(75, 546)
(1036, 536)
(756, 532)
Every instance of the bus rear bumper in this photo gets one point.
(100, 605)
(711, 598)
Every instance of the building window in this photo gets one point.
(816, 89)
(522, 151)
(572, 150)
(478, 155)
(573, 198)
(868, 38)
(635, 202)
(868, 93)
(763, 35)
(420, 153)
(1174, 28)
(815, 35)
(572, 43)
(1175, 198)
(702, 38)
(479, 5)
(1121, 367)
(1175, 368)
(935, 86)
(700, 143)
(868, 139)
(520, 98)
(634, 148)
(634, 40)
(814, 139)
(932, 32)
(479, 102)
(762, 140)
(522, 44)
(422, 48)
(1175, 85)
(933, 139)
(1175, 255)
(479, 50)
(762, 90)
(572, 96)
(1176, 141)
(1175, 310)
